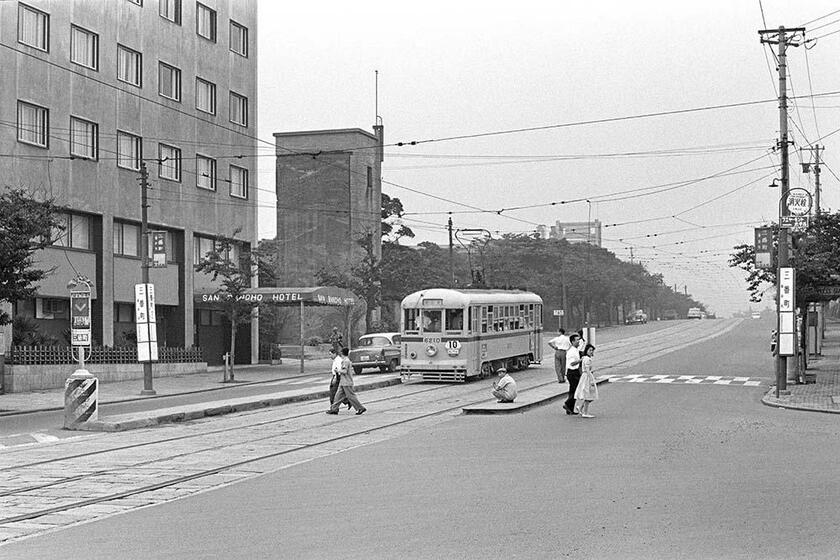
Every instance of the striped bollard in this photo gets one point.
(81, 395)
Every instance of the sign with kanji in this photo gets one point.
(763, 247)
(158, 259)
(787, 307)
(80, 318)
(144, 307)
(796, 223)
(798, 202)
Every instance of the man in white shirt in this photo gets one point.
(572, 372)
(336, 375)
(504, 388)
(346, 392)
(561, 345)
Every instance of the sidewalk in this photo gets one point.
(824, 395)
(123, 391)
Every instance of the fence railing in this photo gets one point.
(56, 355)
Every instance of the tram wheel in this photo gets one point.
(486, 370)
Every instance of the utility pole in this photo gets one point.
(451, 254)
(148, 382)
(806, 167)
(780, 37)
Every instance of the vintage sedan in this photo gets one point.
(380, 350)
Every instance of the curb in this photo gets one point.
(770, 400)
(492, 408)
(214, 409)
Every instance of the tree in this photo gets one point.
(233, 268)
(28, 225)
(364, 278)
(392, 227)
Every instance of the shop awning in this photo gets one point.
(315, 295)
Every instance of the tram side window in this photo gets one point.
(483, 319)
(454, 320)
(411, 322)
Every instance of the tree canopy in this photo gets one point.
(28, 225)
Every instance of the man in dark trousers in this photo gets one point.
(572, 372)
(345, 386)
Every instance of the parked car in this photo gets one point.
(380, 350)
(695, 313)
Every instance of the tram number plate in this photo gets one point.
(431, 340)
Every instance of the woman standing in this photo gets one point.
(587, 389)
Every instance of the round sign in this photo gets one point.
(798, 202)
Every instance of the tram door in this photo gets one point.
(535, 331)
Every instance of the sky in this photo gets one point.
(663, 115)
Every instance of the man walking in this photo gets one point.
(572, 372)
(336, 376)
(345, 386)
(561, 345)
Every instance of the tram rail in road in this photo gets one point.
(111, 475)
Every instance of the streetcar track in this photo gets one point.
(207, 472)
(215, 470)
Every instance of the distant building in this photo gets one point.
(578, 232)
(93, 90)
(329, 194)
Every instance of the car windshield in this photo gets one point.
(374, 341)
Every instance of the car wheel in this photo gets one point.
(357, 369)
(392, 366)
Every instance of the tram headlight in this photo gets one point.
(431, 350)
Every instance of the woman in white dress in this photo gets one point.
(587, 389)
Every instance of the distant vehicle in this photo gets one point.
(637, 316)
(670, 314)
(694, 313)
(756, 315)
(380, 350)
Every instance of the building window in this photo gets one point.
(205, 96)
(238, 109)
(33, 124)
(205, 172)
(126, 239)
(205, 24)
(201, 247)
(170, 162)
(129, 66)
(123, 313)
(238, 182)
(129, 151)
(84, 138)
(84, 47)
(51, 308)
(171, 10)
(369, 178)
(76, 232)
(239, 38)
(169, 81)
(33, 27)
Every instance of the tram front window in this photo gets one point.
(431, 320)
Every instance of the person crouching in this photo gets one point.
(504, 388)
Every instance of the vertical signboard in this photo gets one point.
(158, 259)
(787, 311)
(80, 318)
(144, 299)
(763, 247)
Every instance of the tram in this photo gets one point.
(452, 335)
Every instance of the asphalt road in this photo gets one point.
(663, 471)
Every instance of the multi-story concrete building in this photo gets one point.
(91, 92)
(329, 194)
